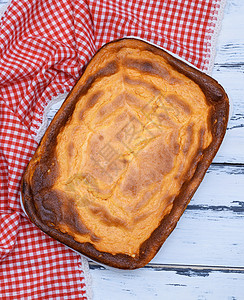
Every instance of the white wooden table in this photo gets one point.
(204, 256)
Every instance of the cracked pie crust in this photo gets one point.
(124, 155)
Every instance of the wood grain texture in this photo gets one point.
(168, 282)
(229, 71)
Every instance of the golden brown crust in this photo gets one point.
(50, 205)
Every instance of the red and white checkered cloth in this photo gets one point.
(44, 45)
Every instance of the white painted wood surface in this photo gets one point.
(229, 71)
(168, 283)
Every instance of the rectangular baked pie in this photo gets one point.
(124, 155)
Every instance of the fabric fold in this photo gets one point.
(9, 227)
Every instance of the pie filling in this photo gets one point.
(131, 143)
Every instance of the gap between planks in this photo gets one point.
(178, 268)
(232, 164)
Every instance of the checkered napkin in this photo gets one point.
(44, 46)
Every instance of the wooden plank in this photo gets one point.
(223, 185)
(229, 71)
(205, 237)
(232, 148)
(230, 47)
(168, 282)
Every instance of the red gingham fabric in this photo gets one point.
(44, 46)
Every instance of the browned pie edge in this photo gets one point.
(215, 96)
